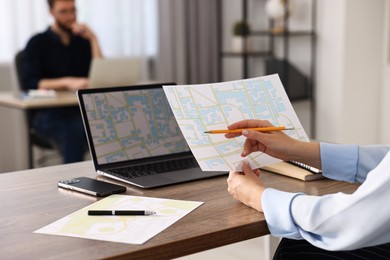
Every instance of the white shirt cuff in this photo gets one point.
(277, 210)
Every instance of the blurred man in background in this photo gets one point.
(59, 59)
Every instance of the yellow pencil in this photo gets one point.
(260, 129)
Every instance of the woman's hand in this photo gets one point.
(246, 187)
(275, 143)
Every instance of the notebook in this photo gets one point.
(114, 72)
(295, 170)
(134, 137)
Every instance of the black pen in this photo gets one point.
(306, 167)
(121, 212)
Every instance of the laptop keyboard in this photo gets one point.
(155, 168)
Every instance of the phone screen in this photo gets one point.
(91, 186)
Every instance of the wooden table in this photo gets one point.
(31, 200)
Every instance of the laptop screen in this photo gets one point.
(130, 123)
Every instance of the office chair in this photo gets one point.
(33, 137)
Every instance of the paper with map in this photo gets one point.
(122, 229)
(200, 108)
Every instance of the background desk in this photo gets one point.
(9, 100)
(31, 200)
(65, 98)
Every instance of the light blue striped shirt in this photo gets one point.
(338, 221)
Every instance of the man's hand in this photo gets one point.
(76, 83)
(70, 83)
(84, 31)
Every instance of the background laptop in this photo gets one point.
(114, 72)
(134, 137)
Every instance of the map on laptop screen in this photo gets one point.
(132, 125)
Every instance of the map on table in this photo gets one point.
(123, 229)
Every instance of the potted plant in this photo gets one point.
(241, 31)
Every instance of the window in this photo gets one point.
(123, 27)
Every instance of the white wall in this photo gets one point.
(384, 115)
(349, 70)
(330, 41)
(13, 154)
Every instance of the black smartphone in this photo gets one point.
(91, 186)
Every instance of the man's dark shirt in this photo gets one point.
(45, 57)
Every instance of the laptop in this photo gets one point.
(133, 137)
(114, 72)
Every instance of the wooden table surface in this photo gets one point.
(31, 200)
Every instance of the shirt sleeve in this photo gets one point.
(350, 163)
(31, 68)
(339, 162)
(337, 221)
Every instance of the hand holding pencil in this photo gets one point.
(269, 139)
